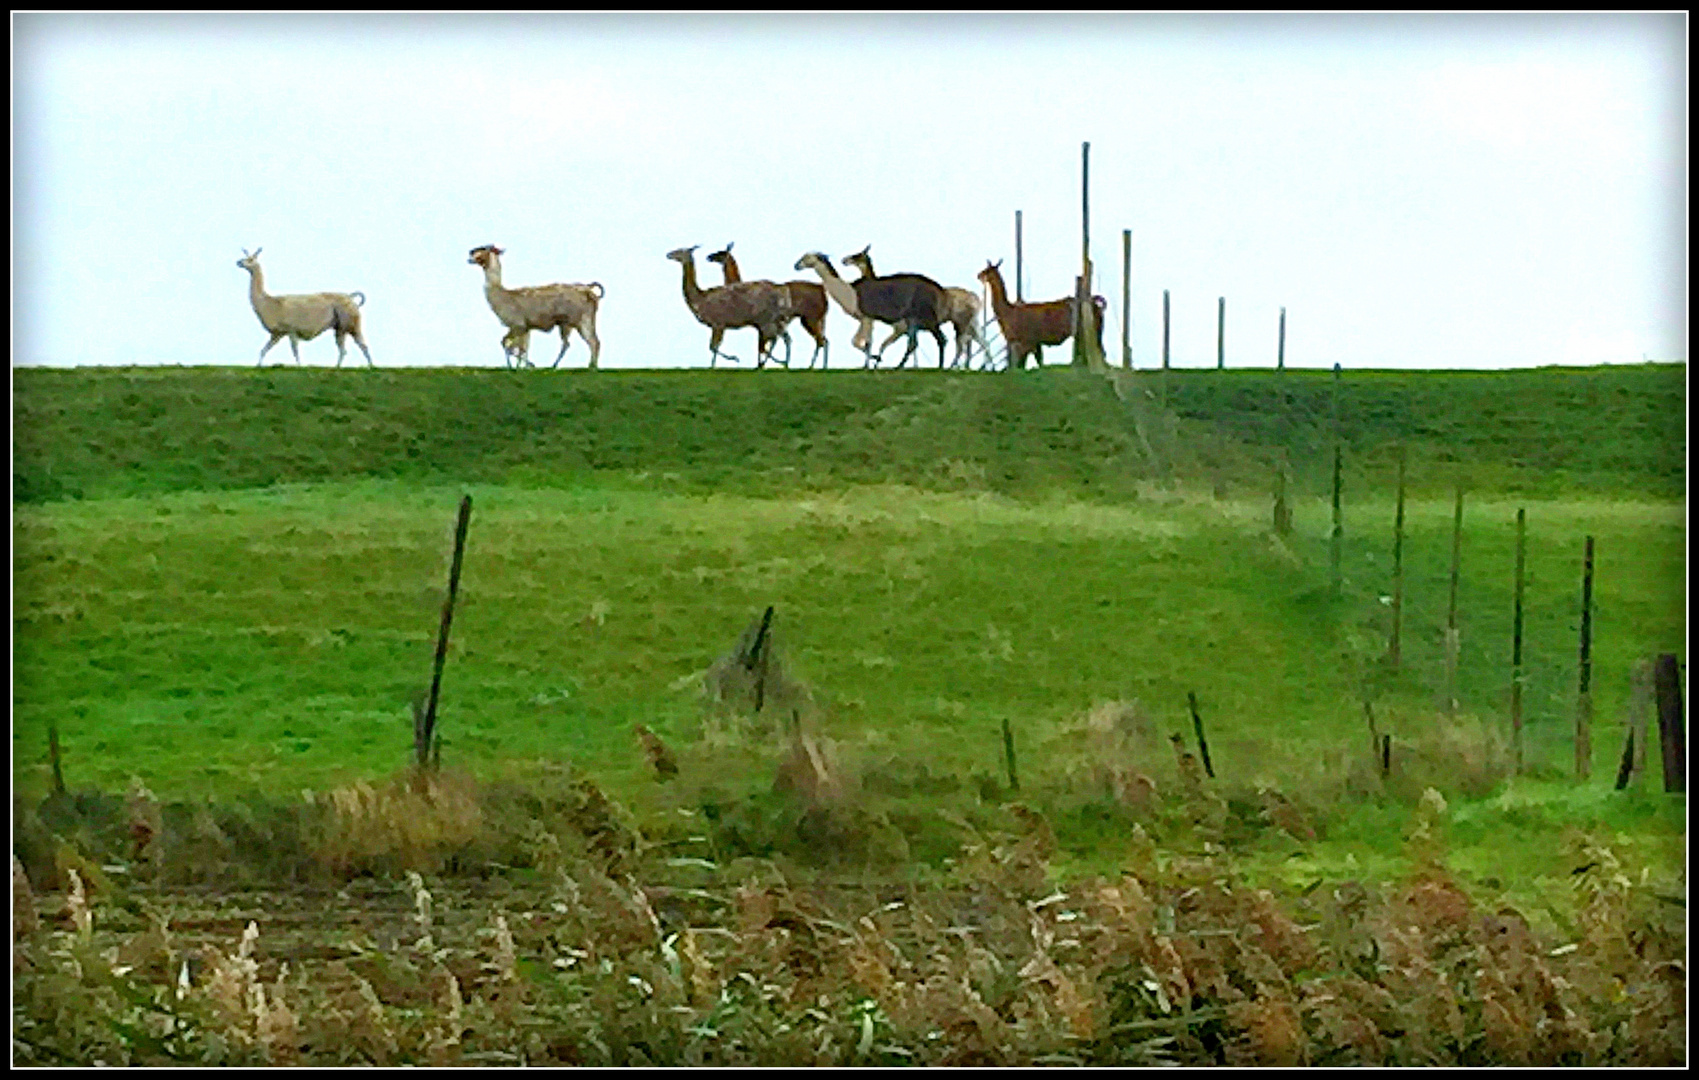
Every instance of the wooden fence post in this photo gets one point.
(1018, 273)
(756, 662)
(1088, 334)
(1584, 697)
(1197, 726)
(1221, 333)
(1338, 536)
(1453, 640)
(1394, 651)
(1164, 348)
(1280, 356)
(424, 728)
(1009, 755)
(1164, 329)
(54, 759)
(1516, 641)
(1085, 207)
(1640, 704)
(1666, 675)
(1126, 298)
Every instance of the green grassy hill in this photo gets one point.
(251, 564)
(227, 592)
(91, 433)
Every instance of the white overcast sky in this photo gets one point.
(1416, 191)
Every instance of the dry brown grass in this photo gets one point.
(410, 822)
(601, 955)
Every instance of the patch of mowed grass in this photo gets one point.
(92, 432)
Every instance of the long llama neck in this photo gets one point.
(262, 300)
(999, 297)
(492, 278)
(692, 291)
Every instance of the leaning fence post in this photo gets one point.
(1197, 726)
(756, 662)
(1666, 674)
(423, 731)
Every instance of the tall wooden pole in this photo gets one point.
(1221, 333)
(1280, 357)
(1085, 208)
(1164, 329)
(1126, 297)
(1087, 352)
(1018, 274)
(1516, 641)
(1164, 348)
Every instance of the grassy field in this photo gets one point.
(227, 586)
(1054, 565)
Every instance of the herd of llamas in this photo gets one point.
(907, 303)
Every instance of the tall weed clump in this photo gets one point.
(410, 822)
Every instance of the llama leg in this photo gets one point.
(275, 338)
(588, 330)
